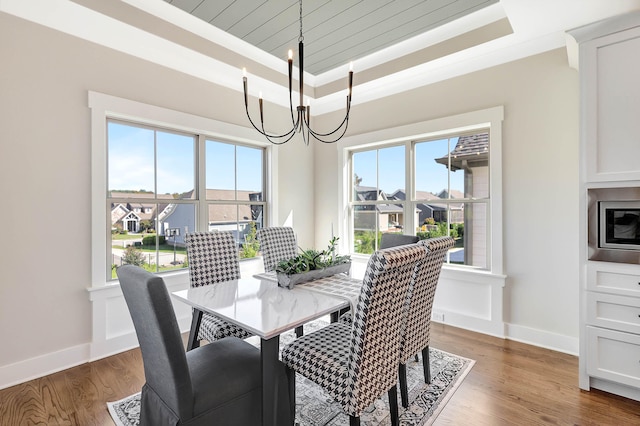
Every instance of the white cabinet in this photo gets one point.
(610, 76)
(610, 353)
(609, 66)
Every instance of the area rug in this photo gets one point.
(315, 408)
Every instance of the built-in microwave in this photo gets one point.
(619, 225)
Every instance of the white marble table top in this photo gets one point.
(260, 306)
(339, 285)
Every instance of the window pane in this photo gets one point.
(391, 170)
(250, 173)
(130, 158)
(224, 217)
(473, 233)
(365, 180)
(176, 165)
(365, 230)
(136, 240)
(174, 222)
(432, 162)
(220, 170)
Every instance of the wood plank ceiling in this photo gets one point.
(335, 31)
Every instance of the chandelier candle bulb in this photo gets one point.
(244, 83)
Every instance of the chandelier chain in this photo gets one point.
(301, 37)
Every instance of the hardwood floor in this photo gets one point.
(510, 384)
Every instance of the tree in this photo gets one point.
(251, 244)
(133, 256)
(357, 179)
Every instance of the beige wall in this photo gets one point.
(540, 177)
(45, 174)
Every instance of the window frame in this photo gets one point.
(104, 107)
(487, 119)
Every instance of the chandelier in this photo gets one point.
(301, 118)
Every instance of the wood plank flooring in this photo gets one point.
(510, 384)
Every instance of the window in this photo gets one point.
(378, 178)
(434, 178)
(157, 168)
(153, 183)
(234, 182)
(451, 182)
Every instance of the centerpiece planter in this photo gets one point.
(311, 265)
(290, 280)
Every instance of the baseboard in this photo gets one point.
(544, 339)
(33, 368)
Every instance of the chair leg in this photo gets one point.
(354, 421)
(404, 392)
(291, 380)
(426, 366)
(393, 406)
(299, 331)
(193, 341)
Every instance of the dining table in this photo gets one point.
(261, 307)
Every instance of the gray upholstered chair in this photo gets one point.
(217, 384)
(358, 363)
(393, 240)
(213, 258)
(415, 333)
(277, 243)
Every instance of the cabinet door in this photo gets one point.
(613, 355)
(612, 106)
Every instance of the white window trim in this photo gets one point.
(105, 106)
(487, 118)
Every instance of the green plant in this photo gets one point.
(150, 240)
(311, 259)
(251, 244)
(133, 256)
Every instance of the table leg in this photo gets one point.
(269, 363)
(193, 342)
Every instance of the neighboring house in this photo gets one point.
(181, 216)
(390, 216)
(471, 154)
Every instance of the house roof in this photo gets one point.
(470, 151)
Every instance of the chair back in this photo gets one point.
(277, 243)
(165, 363)
(377, 319)
(213, 257)
(394, 240)
(416, 330)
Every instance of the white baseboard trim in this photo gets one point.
(544, 339)
(33, 368)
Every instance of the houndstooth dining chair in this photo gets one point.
(358, 363)
(277, 243)
(415, 334)
(213, 258)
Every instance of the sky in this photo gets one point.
(131, 163)
(389, 165)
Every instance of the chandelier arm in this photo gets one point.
(328, 141)
(288, 134)
(344, 123)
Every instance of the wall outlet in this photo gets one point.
(437, 316)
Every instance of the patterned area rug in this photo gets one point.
(315, 408)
